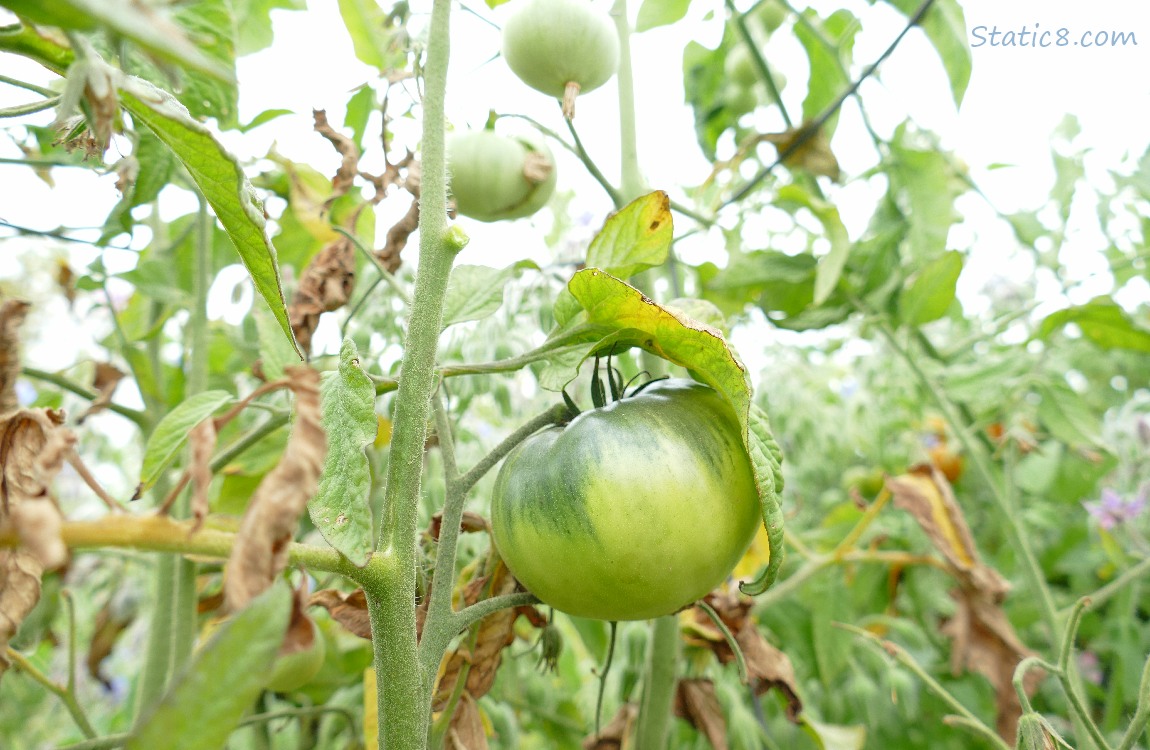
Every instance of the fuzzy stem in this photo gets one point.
(401, 700)
(659, 688)
(632, 179)
(66, 696)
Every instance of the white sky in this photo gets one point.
(1015, 99)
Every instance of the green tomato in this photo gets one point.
(293, 671)
(552, 45)
(739, 100)
(771, 14)
(740, 68)
(495, 177)
(630, 511)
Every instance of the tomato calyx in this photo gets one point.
(615, 386)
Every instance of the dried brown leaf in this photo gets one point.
(696, 702)
(111, 621)
(349, 610)
(269, 524)
(614, 735)
(767, 666)
(813, 154)
(466, 730)
(20, 573)
(301, 631)
(982, 638)
(12, 314)
(326, 285)
(397, 238)
(202, 442)
(104, 382)
(33, 447)
(471, 523)
(349, 166)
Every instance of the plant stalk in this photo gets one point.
(659, 684)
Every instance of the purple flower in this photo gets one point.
(1112, 510)
(1090, 667)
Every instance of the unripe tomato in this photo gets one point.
(770, 14)
(631, 511)
(495, 177)
(293, 671)
(738, 99)
(561, 48)
(740, 67)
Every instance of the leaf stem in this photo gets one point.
(1141, 714)
(740, 660)
(56, 379)
(63, 692)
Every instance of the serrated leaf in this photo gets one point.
(172, 432)
(340, 510)
(474, 292)
(222, 181)
(830, 267)
(373, 37)
(1103, 322)
(834, 736)
(637, 237)
(930, 292)
(655, 13)
(1065, 414)
(767, 462)
(134, 21)
(945, 27)
(206, 702)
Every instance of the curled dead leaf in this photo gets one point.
(104, 382)
(982, 638)
(466, 730)
(326, 285)
(349, 166)
(349, 610)
(20, 573)
(471, 523)
(111, 622)
(269, 524)
(202, 442)
(800, 148)
(12, 314)
(33, 447)
(615, 734)
(696, 702)
(397, 238)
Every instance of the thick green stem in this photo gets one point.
(403, 708)
(659, 684)
(632, 184)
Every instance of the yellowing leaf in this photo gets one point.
(635, 238)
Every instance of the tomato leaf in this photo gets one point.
(830, 267)
(172, 432)
(945, 26)
(374, 36)
(834, 737)
(1102, 322)
(930, 293)
(635, 238)
(197, 713)
(222, 181)
(767, 462)
(474, 292)
(655, 13)
(340, 510)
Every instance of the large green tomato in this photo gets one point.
(493, 178)
(631, 511)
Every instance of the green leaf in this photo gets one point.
(655, 13)
(474, 292)
(635, 238)
(275, 352)
(206, 702)
(830, 267)
(1066, 415)
(374, 36)
(154, 162)
(945, 27)
(172, 432)
(264, 117)
(828, 65)
(1102, 322)
(133, 21)
(767, 462)
(834, 737)
(340, 509)
(930, 292)
(359, 109)
(222, 180)
(254, 23)
(926, 187)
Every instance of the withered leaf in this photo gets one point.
(20, 573)
(696, 702)
(471, 523)
(614, 735)
(12, 314)
(767, 666)
(202, 442)
(33, 446)
(301, 631)
(349, 610)
(104, 381)
(466, 729)
(269, 524)
(982, 638)
(397, 238)
(813, 155)
(111, 621)
(349, 166)
(326, 285)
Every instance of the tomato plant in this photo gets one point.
(632, 510)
